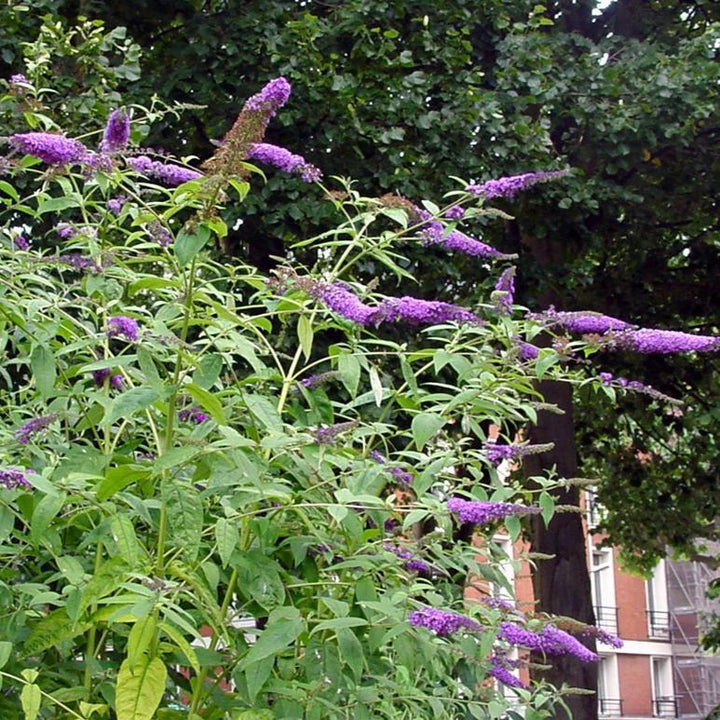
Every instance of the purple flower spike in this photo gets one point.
(50, 148)
(125, 326)
(193, 414)
(422, 312)
(345, 303)
(13, 478)
(550, 640)
(455, 213)
(284, 160)
(480, 512)
(24, 434)
(21, 243)
(329, 435)
(167, 174)
(510, 186)
(528, 351)
(442, 622)
(496, 452)
(99, 377)
(500, 669)
(504, 294)
(580, 322)
(117, 132)
(18, 79)
(271, 98)
(664, 342)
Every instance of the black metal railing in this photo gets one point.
(665, 707)
(658, 623)
(610, 707)
(606, 617)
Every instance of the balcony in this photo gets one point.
(658, 626)
(610, 707)
(606, 617)
(665, 707)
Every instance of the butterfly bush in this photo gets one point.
(216, 521)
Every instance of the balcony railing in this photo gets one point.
(606, 617)
(610, 707)
(658, 624)
(665, 707)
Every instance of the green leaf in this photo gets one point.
(117, 478)
(105, 581)
(139, 640)
(226, 537)
(183, 645)
(52, 630)
(339, 623)
(376, 385)
(349, 369)
(256, 676)
(127, 404)
(125, 539)
(305, 335)
(188, 245)
(545, 361)
(30, 699)
(265, 411)
(5, 652)
(284, 626)
(185, 517)
(351, 651)
(139, 690)
(424, 426)
(8, 189)
(208, 401)
(547, 503)
(59, 203)
(208, 372)
(44, 513)
(42, 365)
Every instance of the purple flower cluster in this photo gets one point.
(480, 512)
(550, 640)
(501, 669)
(117, 132)
(580, 322)
(18, 79)
(271, 98)
(442, 622)
(24, 434)
(504, 294)
(328, 435)
(49, 147)
(607, 379)
(603, 636)
(345, 303)
(193, 414)
(99, 377)
(402, 476)
(21, 243)
(421, 312)
(78, 261)
(413, 563)
(662, 342)
(528, 351)
(115, 205)
(166, 173)
(13, 478)
(313, 381)
(122, 325)
(510, 186)
(496, 452)
(455, 213)
(284, 160)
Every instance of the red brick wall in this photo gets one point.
(635, 684)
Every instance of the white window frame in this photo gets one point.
(656, 596)
(663, 687)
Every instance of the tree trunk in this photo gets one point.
(562, 584)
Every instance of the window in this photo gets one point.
(603, 588)
(657, 604)
(664, 703)
(609, 702)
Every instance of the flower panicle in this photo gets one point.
(25, 433)
(13, 478)
(480, 512)
(51, 148)
(442, 622)
(509, 187)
